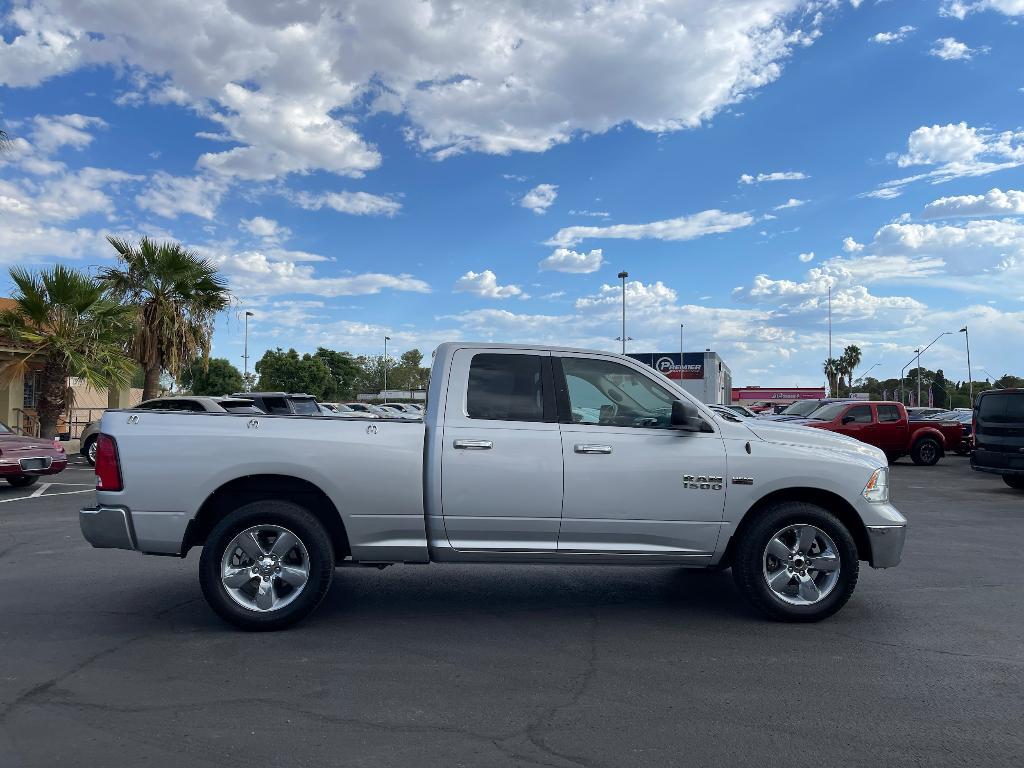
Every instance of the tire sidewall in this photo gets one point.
(288, 515)
(748, 567)
(915, 454)
(23, 481)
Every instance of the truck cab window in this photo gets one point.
(505, 388)
(859, 414)
(610, 394)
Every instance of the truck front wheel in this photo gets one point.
(266, 565)
(796, 562)
(1014, 481)
(926, 452)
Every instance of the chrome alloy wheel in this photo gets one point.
(264, 568)
(801, 564)
(91, 451)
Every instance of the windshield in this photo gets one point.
(802, 408)
(306, 407)
(828, 412)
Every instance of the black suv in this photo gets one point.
(292, 404)
(999, 435)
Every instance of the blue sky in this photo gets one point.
(430, 171)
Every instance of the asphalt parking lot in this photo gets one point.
(110, 658)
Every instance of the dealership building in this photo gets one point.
(702, 374)
(761, 396)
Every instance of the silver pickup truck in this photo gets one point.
(526, 455)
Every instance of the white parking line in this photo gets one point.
(47, 496)
(40, 490)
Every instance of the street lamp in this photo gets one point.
(902, 371)
(623, 338)
(245, 354)
(386, 340)
(970, 379)
(869, 370)
(918, 353)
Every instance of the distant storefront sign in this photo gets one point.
(785, 394)
(668, 363)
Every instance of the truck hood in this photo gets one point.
(794, 434)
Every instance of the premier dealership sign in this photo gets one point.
(668, 363)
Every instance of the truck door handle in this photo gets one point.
(590, 448)
(474, 445)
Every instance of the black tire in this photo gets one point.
(87, 453)
(926, 452)
(23, 481)
(1014, 481)
(748, 567)
(284, 514)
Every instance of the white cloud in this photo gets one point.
(898, 36)
(950, 49)
(267, 229)
(959, 9)
(256, 273)
(289, 81)
(567, 260)
(852, 246)
(355, 203)
(746, 178)
(50, 133)
(682, 228)
(791, 203)
(540, 198)
(169, 196)
(485, 285)
(806, 257)
(955, 150)
(995, 202)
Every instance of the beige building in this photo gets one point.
(18, 396)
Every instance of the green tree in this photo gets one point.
(176, 295)
(409, 372)
(848, 363)
(67, 323)
(281, 371)
(345, 372)
(832, 370)
(214, 377)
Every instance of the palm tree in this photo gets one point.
(849, 361)
(64, 321)
(832, 368)
(176, 295)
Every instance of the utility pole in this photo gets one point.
(245, 354)
(970, 378)
(622, 276)
(831, 383)
(919, 377)
(680, 354)
(386, 340)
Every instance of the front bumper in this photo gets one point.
(886, 544)
(107, 527)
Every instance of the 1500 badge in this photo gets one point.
(702, 482)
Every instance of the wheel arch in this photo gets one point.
(832, 502)
(934, 434)
(243, 490)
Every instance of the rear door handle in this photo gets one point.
(474, 445)
(590, 448)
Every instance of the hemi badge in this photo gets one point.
(743, 481)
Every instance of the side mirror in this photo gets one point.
(848, 419)
(685, 417)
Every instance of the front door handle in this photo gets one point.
(474, 445)
(590, 448)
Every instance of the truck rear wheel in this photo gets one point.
(1014, 481)
(796, 562)
(23, 481)
(266, 565)
(926, 452)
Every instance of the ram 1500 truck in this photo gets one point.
(887, 425)
(525, 455)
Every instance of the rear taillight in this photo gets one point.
(108, 467)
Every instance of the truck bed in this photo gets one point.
(370, 469)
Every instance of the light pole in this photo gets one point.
(386, 340)
(970, 379)
(902, 371)
(995, 382)
(622, 276)
(680, 354)
(869, 370)
(245, 354)
(919, 378)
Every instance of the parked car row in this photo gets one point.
(276, 403)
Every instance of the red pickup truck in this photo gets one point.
(885, 425)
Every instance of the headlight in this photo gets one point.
(877, 488)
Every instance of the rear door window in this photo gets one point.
(1002, 409)
(277, 405)
(505, 388)
(888, 413)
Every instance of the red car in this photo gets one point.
(24, 459)
(885, 425)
